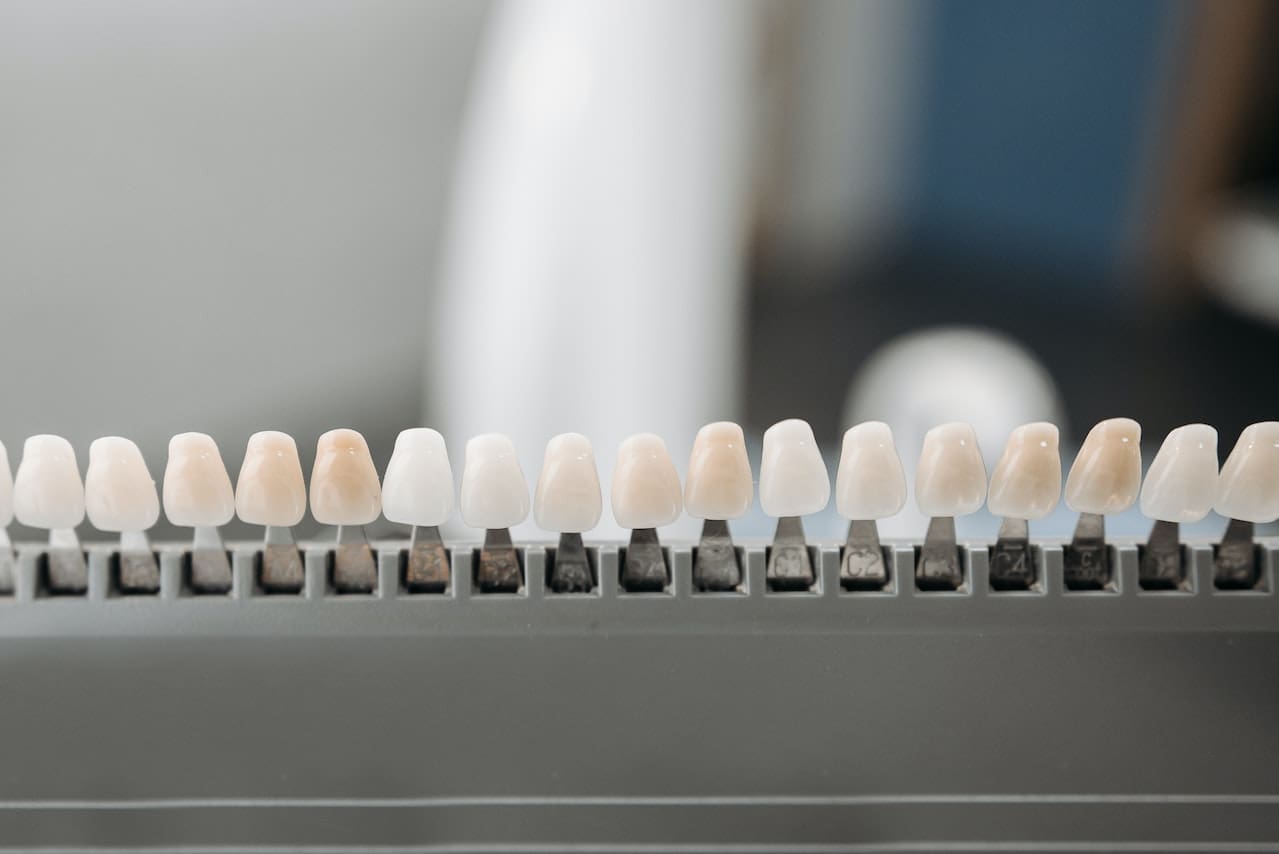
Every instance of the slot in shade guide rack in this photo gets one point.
(755, 719)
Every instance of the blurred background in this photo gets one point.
(535, 216)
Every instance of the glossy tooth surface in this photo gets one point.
(197, 489)
(646, 490)
(1181, 483)
(951, 480)
(494, 492)
(1106, 475)
(1249, 486)
(417, 488)
(47, 491)
(568, 499)
(871, 483)
(6, 488)
(270, 489)
(344, 483)
(719, 483)
(1026, 483)
(792, 475)
(119, 494)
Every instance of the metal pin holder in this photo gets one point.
(751, 719)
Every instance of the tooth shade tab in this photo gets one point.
(1181, 484)
(646, 491)
(270, 490)
(792, 474)
(47, 491)
(417, 488)
(1106, 475)
(197, 489)
(1026, 483)
(119, 494)
(871, 483)
(494, 491)
(1248, 489)
(6, 488)
(951, 479)
(344, 483)
(719, 484)
(568, 499)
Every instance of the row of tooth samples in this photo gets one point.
(118, 495)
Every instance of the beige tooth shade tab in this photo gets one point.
(646, 490)
(344, 483)
(719, 483)
(1181, 484)
(568, 499)
(793, 480)
(119, 494)
(871, 483)
(47, 490)
(1249, 486)
(494, 491)
(270, 489)
(197, 489)
(951, 479)
(1026, 483)
(417, 488)
(6, 488)
(1106, 475)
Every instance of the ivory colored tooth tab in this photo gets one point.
(417, 488)
(47, 491)
(1249, 483)
(495, 497)
(119, 494)
(871, 483)
(7, 564)
(1106, 475)
(645, 496)
(792, 475)
(1181, 484)
(197, 489)
(719, 483)
(1026, 483)
(951, 480)
(568, 497)
(270, 490)
(344, 481)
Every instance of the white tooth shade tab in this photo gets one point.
(119, 494)
(494, 491)
(1106, 475)
(1181, 484)
(1026, 483)
(719, 483)
(197, 490)
(417, 488)
(951, 479)
(6, 488)
(270, 489)
(646, 490)
(47, 491)
(792, 475)
(871, 483)
(568, 499)
(1249, 486)
(344, 483)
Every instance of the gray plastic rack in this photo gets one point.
(895, 719)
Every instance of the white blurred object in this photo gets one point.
(935, 376)
(1239, 258)
(592, 264)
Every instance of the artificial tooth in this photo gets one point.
(120, 497)
(1025, 486)
(495, 498)
(950, 482)
(417, 490)
(345, 492)
(793, 482)
(645, 496)
(869, 486)
(270, 491)
(1105, 478)
(1248, 495)
(197, 494)
(48, 493)
(1180, 486)
(6, 516)
(719, 487)
(568, 501)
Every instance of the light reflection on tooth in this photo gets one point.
(495, 498)
(1025, 485)
(1105, 478)
(1248, 494)
(197, 493)
(950, 482)
(120, 497)
(645, 496)
(270, 491)
(719, 487)
(1180, 486)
